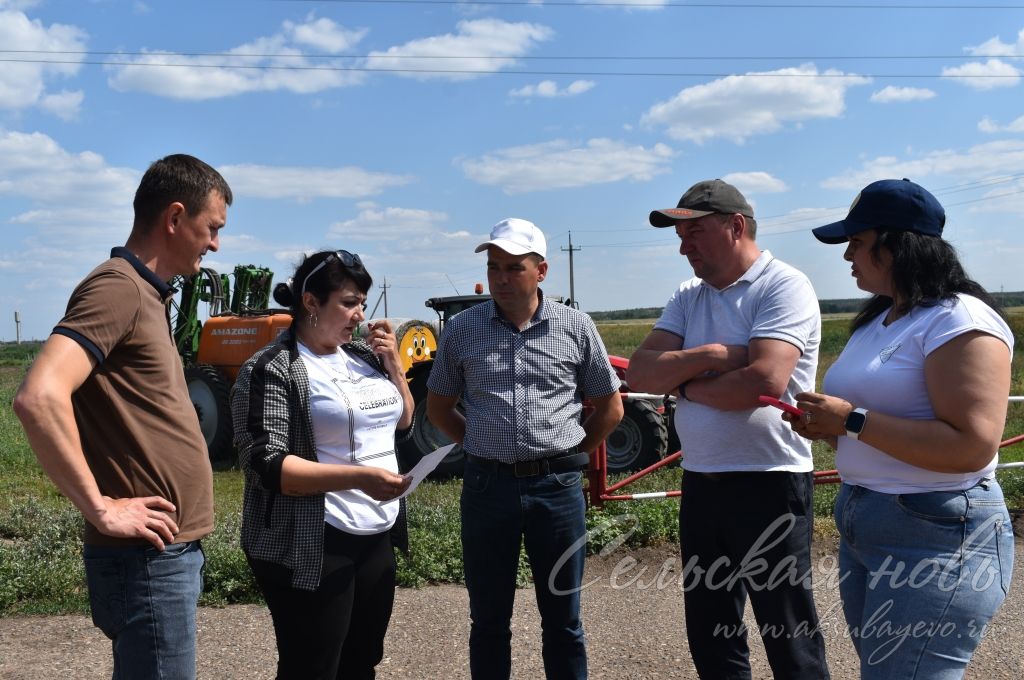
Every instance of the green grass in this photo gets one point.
(41, 571)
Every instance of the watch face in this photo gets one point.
(855, 422)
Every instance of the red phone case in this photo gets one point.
(788, 408)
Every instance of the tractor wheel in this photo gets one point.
(209, 391)
(426, 437)
(416, 343)
(641, 439)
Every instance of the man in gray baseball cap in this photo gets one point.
(704, 198)
(746, 325)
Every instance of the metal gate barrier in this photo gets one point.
(598, 491)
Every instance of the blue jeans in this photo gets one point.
(145, 601)
(922, 574)
(498, 512)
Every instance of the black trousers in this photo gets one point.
(749, 534)
(336, 631)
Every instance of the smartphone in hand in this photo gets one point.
(788, 408)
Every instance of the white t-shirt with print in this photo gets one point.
(882, 368)
(354, 411)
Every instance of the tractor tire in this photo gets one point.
(417, 342)
(426, 437)
(641, 439)
(209, 391)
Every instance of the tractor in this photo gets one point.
(240, 322)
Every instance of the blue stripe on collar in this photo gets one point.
(163, 289)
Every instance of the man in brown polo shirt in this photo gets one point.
(107, 412)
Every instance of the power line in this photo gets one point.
(584, 57)
(369, 69)
(671, 5)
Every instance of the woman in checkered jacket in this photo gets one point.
(315, 417)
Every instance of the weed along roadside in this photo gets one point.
(40, 563)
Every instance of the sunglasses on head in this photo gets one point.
(348, 259)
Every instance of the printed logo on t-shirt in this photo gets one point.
(887, 353)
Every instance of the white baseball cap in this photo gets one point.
(516, 237)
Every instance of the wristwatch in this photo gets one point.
(855, 422)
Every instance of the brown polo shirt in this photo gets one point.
(138, 427)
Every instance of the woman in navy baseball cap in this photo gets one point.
(915, 406)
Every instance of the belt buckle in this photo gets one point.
(527, 468)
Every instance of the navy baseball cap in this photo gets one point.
(892, 204)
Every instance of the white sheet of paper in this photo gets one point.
(423, 468)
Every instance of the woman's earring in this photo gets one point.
(313, 320)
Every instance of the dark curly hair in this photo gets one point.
(329, 278)
(925, 272)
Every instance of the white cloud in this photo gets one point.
(304, 184)
(559, 164)
(994, 47)
(65, 104)
(738, 107)
(324, 35)
(61, 212)
(989, 75)
(549, 88)
(23, 85)
(892, 93)
(18, 4)
(389, 224)
(176, 76)
(756, 183)
(34, 167)
(483, 45)
(991, 159)
(986, 124)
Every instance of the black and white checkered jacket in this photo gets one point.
(270, 411)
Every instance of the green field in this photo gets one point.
(41, 572)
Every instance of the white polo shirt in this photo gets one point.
(770, 300)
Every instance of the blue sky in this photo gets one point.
(404, 131)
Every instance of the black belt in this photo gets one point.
(560, 462)
(718, 476)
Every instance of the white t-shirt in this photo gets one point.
(771, 300)
(882, 369)
(354, 411)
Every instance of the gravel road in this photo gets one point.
(634, 630)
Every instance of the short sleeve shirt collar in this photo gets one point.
(162, 288)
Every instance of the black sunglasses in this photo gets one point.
(348, 259)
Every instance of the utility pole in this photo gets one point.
(17, 327)
(385, 286)
(572, 283)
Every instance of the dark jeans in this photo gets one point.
(145, 600)
(337, 630)
(749, 533)
(498, 511)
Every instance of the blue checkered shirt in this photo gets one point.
(523, 390)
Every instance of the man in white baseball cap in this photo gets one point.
(517, 237)
(522, 364)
